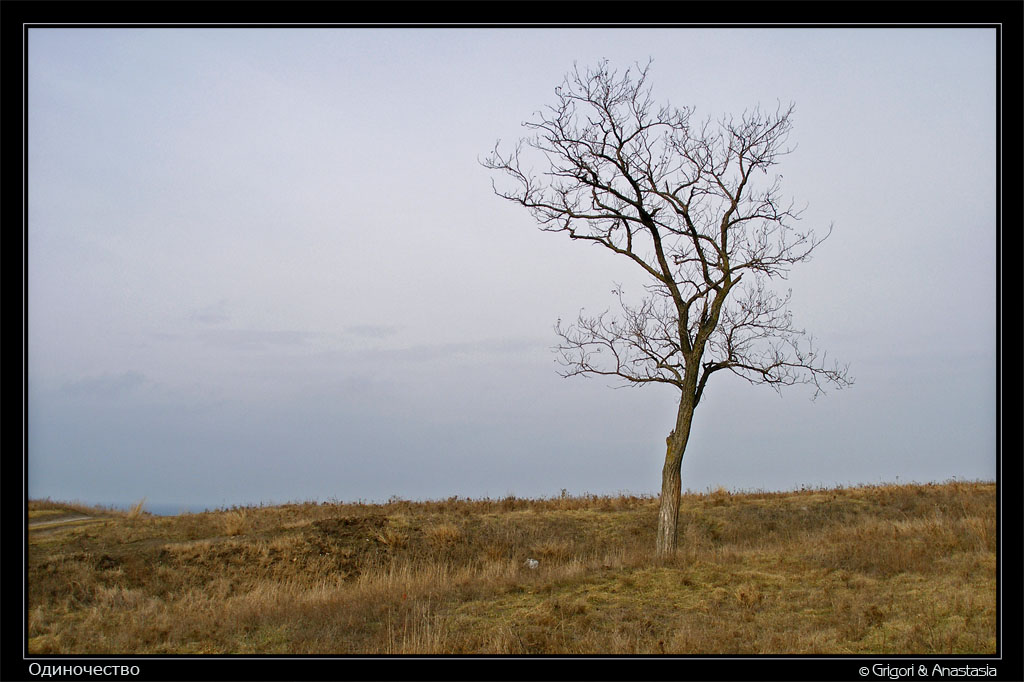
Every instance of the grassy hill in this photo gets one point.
(881, 569)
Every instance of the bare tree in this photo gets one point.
(691, 204)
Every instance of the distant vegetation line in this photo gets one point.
(174, 509)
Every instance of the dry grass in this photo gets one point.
(136, 509)
(883, 569)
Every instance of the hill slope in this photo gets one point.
(883, 569)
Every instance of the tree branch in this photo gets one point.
(695, 208)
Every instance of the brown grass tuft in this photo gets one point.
(235, 522)
(444, 534)
(136, 509)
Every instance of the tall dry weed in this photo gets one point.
(136, 509)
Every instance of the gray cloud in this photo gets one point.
(372, 331)
(458, 350)
(106, 385)
(212, 314)
(251, 339)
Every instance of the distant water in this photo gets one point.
(175, 509)
(167, 509)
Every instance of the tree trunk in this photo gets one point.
(671, 482)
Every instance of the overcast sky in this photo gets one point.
(265, 265)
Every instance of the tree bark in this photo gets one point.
(671, 482)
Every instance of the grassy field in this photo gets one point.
(882, 569)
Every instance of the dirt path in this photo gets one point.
(46, 523)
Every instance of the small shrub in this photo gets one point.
(392, 538)
(719, 496)
(235, 522)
